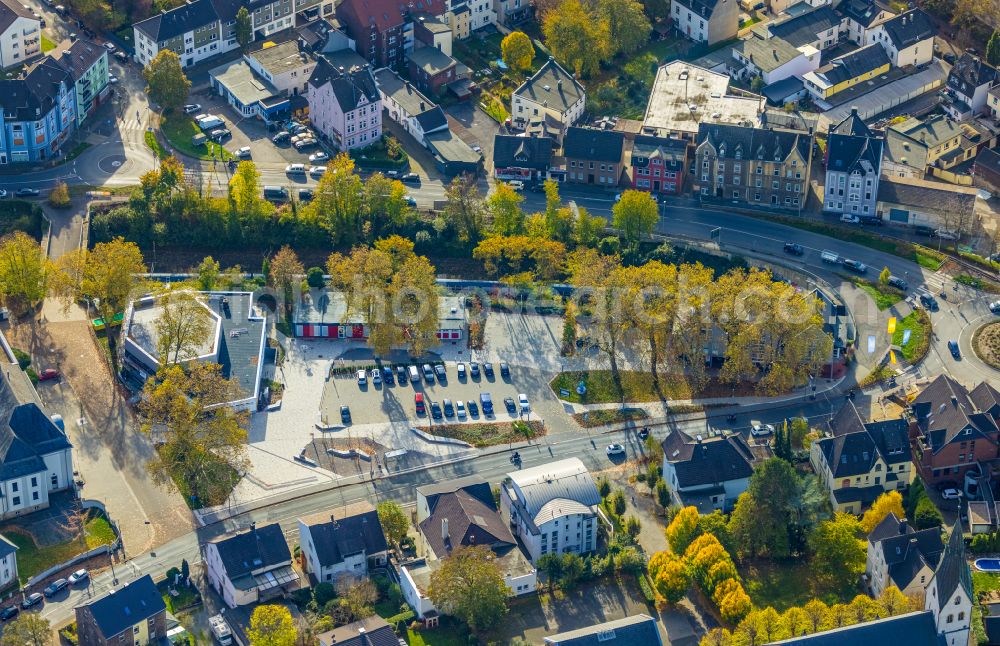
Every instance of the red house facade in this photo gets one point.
(658, 164)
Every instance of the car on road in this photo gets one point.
(516, 184)
(854, 265)
(440, 372)
(460, 369)
(305, 195)
(32, 600)
(761, 430)
(281, 138)
(376, 377)
(474, 369)
(295, 169)
(951, 494)
(48, 374)
(410, 200)
(345, 414)
(243, 152)
(53, 588)
(78, 576)
(522, 400)
(850, 219)
(410, 178)
(473, 408)
(109, 46)
(504, 370)
(362, 378)
(488, 370)
(191, 108)
(418, 401)
(945, 234)
(928, 302)
(449, 409)
(460, 409)
(995, 307)
(428, 373)
(317, 171)
(392, 174)
(3, 192)
(643, 433)
(319, 157)
(220, 134)
(9, 613)
(954, 349)
(898, 283)
(27, 192)
(508, 402)
(435, 410)
(112, 79)
(923, 230)
(794, 248)
(615, 449)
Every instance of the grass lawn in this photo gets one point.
(981, 582)
(883, 295)
(47, 44)
(977, 283)
(480, 434)
(448, 633)
(919, 325)
(785, 584)
(638, 387)
(155, 145)
(604, 416)
(32, 559)
(178, 128)
(186, 597)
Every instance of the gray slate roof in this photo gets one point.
(80, 57)
(708, 461)
(32, 97)
(371, 631)
(906, 551)
(754, 143)
(255, 549)
(522, 152)
(944, 409)
(6, 547)
(630, 631)
(912, 629)
(25, 439)
(471, 516)
(11, 10)
(131, 604)
(854, 64)
(345, 532)
(553, 86)
(431, 60)
(176, 22)
(969, 72)
(863, 12)
(767, 55)
(349, 86)
(804, 29)
(593, 144)
(909, 28)
(953, 572)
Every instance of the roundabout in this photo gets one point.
(986, 344)
(111, 163)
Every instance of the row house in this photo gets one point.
(39, 113)
(853, 168)
(550, 92)
(345, 107)
(916, 145)
(706, 21)
(384, 29)
(593, 156)
(658, 164)
(858, 17)
(847, 71)
(969, 83)
(752, 166)
(20, 34)
(405, 104)
(87, 64)
(527, 159)
(818, 29)
(908, 38)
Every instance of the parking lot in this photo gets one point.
(373, 403)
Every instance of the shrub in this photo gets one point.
(401, 617)
(927, 515)
(314, 278)
(59, 196)
(23, 358)
(324, 593)
(647, 590)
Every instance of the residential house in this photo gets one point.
(917, 202)
(8, 563)
(431, 69)
(846, 71)
(752, 166)
(286, 65)
(194, 31)
(949, 593)
(512, 12)
(417, 114)
(912, 629)
(784, 92)
(987, 169)
(323, 314)
(552, 508)
(87, 64)
(853, 168)
(637, 629)
(433, 31)
(658, 164)
(20, 34)
(343, 541)
(521, 158)
(593, 156)
(908, 38)
(953, 429)
(901, 556)
(969, 83)
(818, 28)
(133, 614)
(707, 472)
(384, 29)
(859, 16)
(370, 631)
(325, 36)
(550, 91)
(459, 18)
(773, 59)
(345, 106)
(36, 458)
(251, 566)
(859, 461)
(461, 513)
(249, 94)
(39, 113)
(993, 101)
(915, 145)
(706, 21)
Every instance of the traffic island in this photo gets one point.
(986, 344)
(483, 434)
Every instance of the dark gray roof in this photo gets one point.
(988, 163)
(371, 631)
(11, 10)
(630, 631)
(349, 85)
(943, 198)
(80, 57)
(847, 154)
(241, 340)
(852, 125)
(778, 91)
(255, 549)
(472, 519)
(863, 12)
(342, 533)
(912, 629)
(754, 143)
(6, 547)
(862, 495)
(431, 60)
(969, 72)
(672, 151)
(176, 22)
(708, 461)
(944, 409)
(593, 144)
(905, 550)
(953, 572)
(553, 86)
(432, 119)
(854, 64)
(522, 152)
(28, 436)
(804, 29)
(131, 604)
(32, 97)
(986, 398)
(909, 28)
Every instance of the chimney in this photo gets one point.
(444, 529)
(854, 110)
(954, 400)
(902, 526)
(421, 106)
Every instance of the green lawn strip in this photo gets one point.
(480, 434)
(976, 282)
(883, 295)
(919, 324)
(976, 259)
(448, 633)
(638, 387)
(981, 582)
(377, 156)
(32, 559)
(784, 584)
(602, 416)
(155, 145)
(47, 44)
(879, 374)
(186, 596)
(179, 128)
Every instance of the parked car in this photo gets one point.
(488, 370)
(376, 377)
(3, 192)
(923, 230)
(387, 376)
(295, 169)
(112, 79)
(362, 378)
(508, 402)
(440, 372)
(435, 410)
(345, 414)
(281, 138)
(761, 430)
(956, 353)
(474, 370)
(850, 219)
(305, 195)
(504, 370)
(401, 374)
(854, 265)
(317, 171)
(898, 283)
(522, 400)
(461, 371)
(418, 401)
(951, 494)
(449, 409)
(9, 613)
(428, 373)
(54, 587)
(220, 134)
(945, 234)
(109, 46)
(410, 200)
(243, 153)
(48, 374)
(460, 409)
(78, 576)
(319, 157)
(27, 192)
(615, 449)
(995, 307)
(794, 248)
(516, 184)
(410, 178)
(928, 302)
(32, 600)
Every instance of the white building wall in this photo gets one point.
(420, 604)
(954, 619)
(20, 42)
(690, 24)
(218, 579)
(8, 569)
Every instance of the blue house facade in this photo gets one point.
(39, 114)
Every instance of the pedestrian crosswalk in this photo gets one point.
(936, 282)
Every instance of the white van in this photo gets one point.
(295, 169)
(414, 374)
(210, 122)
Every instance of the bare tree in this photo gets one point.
(182, 326)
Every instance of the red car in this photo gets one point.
(418, 399)
(48, 374)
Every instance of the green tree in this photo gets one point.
(470, 585)
(339, 201)
(551, 564)
(315, 278)
(245, 190)
(182, 327)
(271, 626)
(635, 215)
(201, 448)
(355, 600)
(617, 501)
(244, 28)
(662, 494)
(993, 49)
(762, 517)
(28, 629)
(838, 553)
(504, 206)
(395, 523)
(632, 526)
(603, 487)
(517, 51)
(208, 274)
(628, 26)
(927, 515)
(24, 271)
(573, 569)
(576, 38)
(285, 270)
(657, 9)
(59, 196)
(883, 277)
(166, 83)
